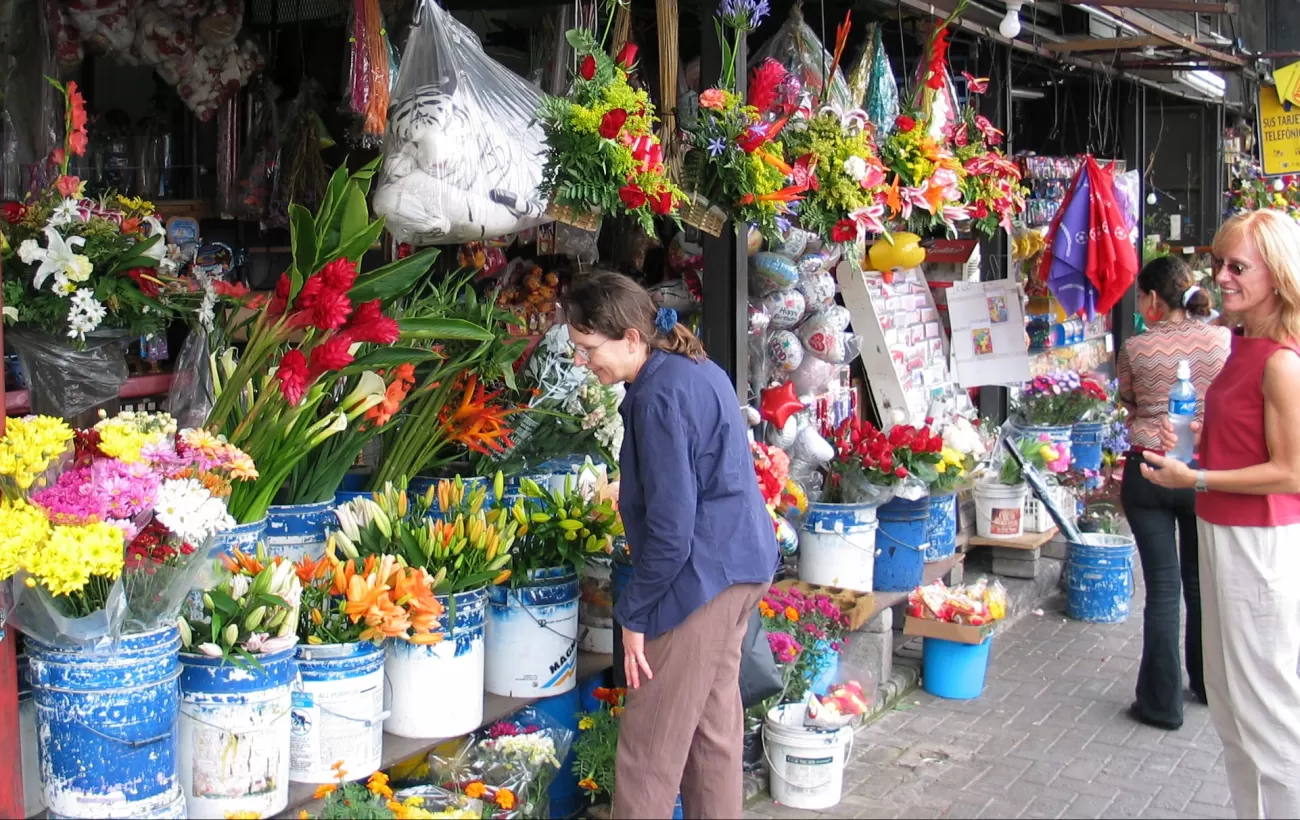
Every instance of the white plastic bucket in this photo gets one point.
(532, 636)
(437, 691)
(837, 546)
(596, 607)
(338, 712)
(234, 735)
(806, 766)
(1000, 510)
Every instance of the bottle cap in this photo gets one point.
(1184, 370)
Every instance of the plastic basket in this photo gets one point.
(1038, 519)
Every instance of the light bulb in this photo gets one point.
(1151, 198)
(1010, 25)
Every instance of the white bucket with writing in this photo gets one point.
(338, 712)
(532, 635)
(806, 766)
(1000, 510)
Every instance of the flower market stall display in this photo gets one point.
(237, 669)
(805, 632)
(603, 156)
(1000, 498)
(597, 745)
(957, 625)
(1054, 402)
(532, 626)
(464, 148)
(375, 800)
(503, 770)
(461, 548)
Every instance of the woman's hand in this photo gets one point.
(1169, 439)
(634, 662)
(1167, 472)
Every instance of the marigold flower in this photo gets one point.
(585, 724)
(378, 784)
(588, 784)
(323, 791)
(791, 613)
(475, 790)
(505, 799)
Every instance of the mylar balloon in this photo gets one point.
(812, 375)
(809, 445)
(784, 351)
(753, 241)
(793, 241)
(786, 537)
(817, 289)
(772, 271)
(833, 317)
(759, 319)
(831, 346)
(783, 437)
(778, 404)
(785, 308)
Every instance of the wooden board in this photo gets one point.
(1028, 541)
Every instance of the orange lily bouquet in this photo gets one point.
(378, 599)
(253, 611)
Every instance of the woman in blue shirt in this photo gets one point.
(703, 551)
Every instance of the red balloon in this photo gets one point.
(778, 404)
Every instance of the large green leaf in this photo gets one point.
(136, 256)
(385, 357)
(333, 196)
(365, 175)
(355, 245)
(393, 279)
(302, 229)
(354, 216)
(443, 330)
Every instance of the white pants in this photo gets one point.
(1250, 605)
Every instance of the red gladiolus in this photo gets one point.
(67, 185)
(588, 67)
(632, 195)
(846, 230)
(612, 123)
(339, 275)
(14, 212)
(78, 139)
(330, 310)
(331, 354)
(58, 156)
(292, 375)
(905, 123)
(662, 203)
(280, 301)
(369, 324)
(627, 56)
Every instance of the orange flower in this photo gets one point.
(588, 784)
(339, 774)
(241, 561)
(309, 570)
(791, 613)
(398, 388)
(604, 694)
(131, 225)
(505, 799)
(616, 710)
(378, 784)
(475, 790)
(765, 609)
(323, 791)
(475, 422)
(78, 139)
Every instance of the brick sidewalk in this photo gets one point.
(1050, 737)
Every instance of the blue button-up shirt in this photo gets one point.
(695, 519)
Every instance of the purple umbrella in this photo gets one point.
(1067, 278)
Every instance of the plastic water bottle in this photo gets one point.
(1182, 412)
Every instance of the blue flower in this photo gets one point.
(717, 146)
(744, 15)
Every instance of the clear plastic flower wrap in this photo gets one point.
(64, 381)
(508, 766)
(797, 47)
(463, 153)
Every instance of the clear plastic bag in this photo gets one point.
(32, 611)
(260, 163)
(464, 151)
(797, 47)
(190, 398)
(66, 382)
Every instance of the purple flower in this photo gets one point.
(744, 15)
(717, 146)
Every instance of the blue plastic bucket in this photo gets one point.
(227, 706)
(297, 530)
(1099, 583)
(954, 670)
(344, 496)
(338, 712)
(837, 546)
(33, 795)
(901, 542)
(532, 635)
(1085, 444)
(941, 527)
(106, 727)
(448, 673)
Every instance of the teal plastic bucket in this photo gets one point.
(1099, 583)
(952, 670)
(941, 527)
(902, 537)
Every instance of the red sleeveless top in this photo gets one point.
(1233, 438)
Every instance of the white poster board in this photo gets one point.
(988, 333)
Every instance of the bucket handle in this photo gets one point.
(902, 543)
(130, 744)
(767, 755)
(233, 732)
(541, 623)
(299, 686)
(840, 536)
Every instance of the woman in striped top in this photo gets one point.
(1173, 307)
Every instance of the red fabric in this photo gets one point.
(1233, 438)
(1112, 259)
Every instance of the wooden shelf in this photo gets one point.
(401, 749)
(19, 402)
(1028, 541)
(192, 208)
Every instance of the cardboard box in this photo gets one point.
(957, 633)
(859, 607)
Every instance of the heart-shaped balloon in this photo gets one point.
(770, 271)
(831, 346)
(784, 308)
(817, 289)
(784, 351)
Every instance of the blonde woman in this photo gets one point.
(1248, 506)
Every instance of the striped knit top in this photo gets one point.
(1148, 368)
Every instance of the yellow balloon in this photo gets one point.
(905, 252)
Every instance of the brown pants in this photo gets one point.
(685, 729)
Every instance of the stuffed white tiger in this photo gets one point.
(463, 155)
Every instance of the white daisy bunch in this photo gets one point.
(85, 314)
(190, 511)
(534, 749)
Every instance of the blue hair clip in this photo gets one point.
(665, 320)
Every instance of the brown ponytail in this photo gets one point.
(611, 304)
(1172, 279)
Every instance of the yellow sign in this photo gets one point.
(1279, 134)
(1288, 82)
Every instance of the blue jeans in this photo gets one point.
(1169, 566)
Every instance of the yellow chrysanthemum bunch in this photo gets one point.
(72, 555)
(30, 445)
(123, 436)
(23, 529)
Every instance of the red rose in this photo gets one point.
(981, 210)
(662, 203)
(901, 472)
(632, 195)
(588, 68)
(905, 123)
(846, 230)
(14, 212)
(612, 123)
(627, 56)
